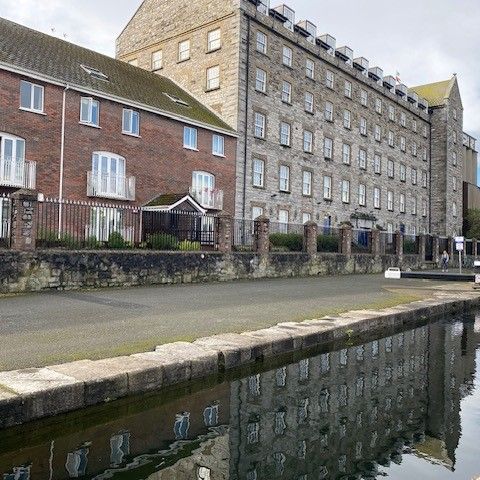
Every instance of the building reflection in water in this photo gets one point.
(343, 413)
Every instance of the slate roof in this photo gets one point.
(435, 93)
(36, 52)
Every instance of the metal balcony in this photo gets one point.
(17, 173)
(106, 185)
(209, 198)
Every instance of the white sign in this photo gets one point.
(393, 273)
(459, 239)
(459, 247)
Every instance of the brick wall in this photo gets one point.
(156, 159)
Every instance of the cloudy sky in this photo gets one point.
(424, 40)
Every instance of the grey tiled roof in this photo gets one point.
(45, 55)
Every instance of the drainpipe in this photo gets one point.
(245, 139)
(430, 183)
(62, 159)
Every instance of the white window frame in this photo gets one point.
(306, 217)
(414, 176)
(414, 149)
(403, 119)
(308, 141)
(260, 80)
(377, 164)
(262, 42)
(213, 78)
(128, 123)
(424, 208)
(214, 40)
(347, 119)
(414, 125)
(391, 139)
(287, 56)
(330, 79)
(218, 145)
(328, 114)
(403, 172)
(183, 50)
(327, 187)
(402, 203)
(363, 126)
(414, 205)
(362, 158)
(378, 105)
(347, 154)
(424, 179)
(109, 174)
(454, 209)
(34, 91)
(348, 89)
(403, 143)
(309, 102)
(391, 113)
(328, 148)
(454, 159)
(258, 177)
(307, 181)
(378, 133)
(283, 220)
(284, 178)
(190, 138)
(362, 194)
(257, 212)
(260, 125)
(390, 169)
(390, 201)
(285, 134)
(89, 103)
(346, 191)
(377, 198)
(286, 92)
(364, 98)
(310, 68)
(157, 60)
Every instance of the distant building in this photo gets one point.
(323, 136)
(471, 191)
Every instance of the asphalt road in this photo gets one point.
(49, 328)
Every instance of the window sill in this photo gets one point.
(328, 120)
(312, 79)
(219, 155)
(285, 146)
(308, 153)
(38, 112)
(89, 125)
(156, 69)
(288, 66)
(285, 191)
(128, 134)
(259, 138)
(213, 50)
(207, 90)
(287, 103)
(262, 92)
(327, 199)
(259, 187)
(310, 113)
(184, 60)
(191, 149)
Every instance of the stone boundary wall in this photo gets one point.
(68, 270)
(34, 393)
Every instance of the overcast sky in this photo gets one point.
(424, 40)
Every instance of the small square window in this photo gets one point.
(89, 111)
(184, 50)
(214, 40)
(131, 122)
(157, 60)
(213, 78)
(31, 96)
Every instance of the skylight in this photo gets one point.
(93, 72)
(176, 99)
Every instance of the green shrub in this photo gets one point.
(189, 246)
(92, 243)
(116, 241)
(327, 243)
(51, 239)
(293, 242)
(68, 241)
(162, 241)
(409, 246)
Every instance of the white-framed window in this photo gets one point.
(330, 79)
(362, 195)
(306, 217)
(425, 130)
(403, 172)
(12, 171)
(260, 124)
(391, 139)
(364, 97)
(403, 144)
(257, 212)
(403, 119)
(307, 141)
(390, 200)
(424, 208)
(329, 111)
(309, 102)
(454, 209)
(348, 89)
(377, 163)
(258, 173)
(213, 77)
(391, 113)
(157, 60)
(287, 56)
(424, 179)
(327, 187)
(414, 205)
(378, 133)
(183, 50)
(310, 68)
(284, 178)
(414, 125)
(261, 80)
(424, 154)
(262, 42)
(89, 111)
(286, 92)
(414, 176)
(214, 40)
(376, 197)
(347, 119)
(190, 138)
(131, 122)
(363, 126)
(346, 153)
(307, 183)
(454, 183)
(454, 158)
(218, 145)
(414, 149)
(345, 191)
(285, 129)
(391, 169)
(31, 96)
(402, 203)
(378, 105)
(283, 219)
(328, 148)
(362, 158)
(108, 174)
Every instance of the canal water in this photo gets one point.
(406, 406)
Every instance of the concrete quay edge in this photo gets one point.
(34, 393)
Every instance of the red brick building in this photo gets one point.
(78, 125)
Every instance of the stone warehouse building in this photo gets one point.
(322, 135)
(78, 125)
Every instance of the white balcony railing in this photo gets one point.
(107, 185)
(210, 198)
(17, 173)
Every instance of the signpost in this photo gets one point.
(459, 246)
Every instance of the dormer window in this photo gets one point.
(263, 6)
(95, 73)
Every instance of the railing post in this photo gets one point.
(422, 247)
(399, 246)
(225, 240)
(24, 220)
(376, 243)
(261, 241)
(346, 237)
(310, 238)
(436, 249)
(474, 247)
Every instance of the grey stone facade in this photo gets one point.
(162, 24)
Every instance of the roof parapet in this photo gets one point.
(328, 43)
(361, 64)
(376, 74)
(346, 54)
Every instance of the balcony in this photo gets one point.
(17, 173)
(209, 198)
(107, 185)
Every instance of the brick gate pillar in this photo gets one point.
(346, 237)
(310, 238)
(436, 249)
(376, 242)
(422, 247)
(451, 247)
(399, 246)
(24, 220)
(261, 241)
(225, 228)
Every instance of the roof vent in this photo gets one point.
(95, 73)
(176, 99)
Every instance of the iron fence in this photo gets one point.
(286, 236)
(388, 243)
(328, 239)
(469, 247)
(243, 234)
(361, 241)
(5, 221)
(411, 245)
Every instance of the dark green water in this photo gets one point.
(406, 406)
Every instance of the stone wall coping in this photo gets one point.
(30, 394)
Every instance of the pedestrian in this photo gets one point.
(445, 260)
